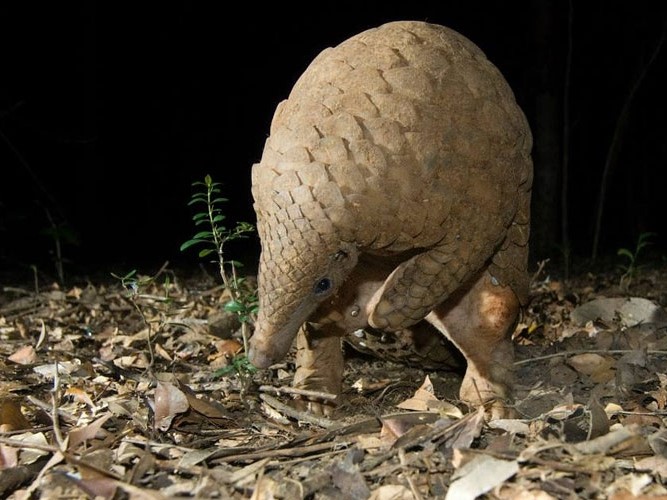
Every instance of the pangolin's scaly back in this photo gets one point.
(384, 133)
(402, 137)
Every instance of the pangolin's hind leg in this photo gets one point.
(320, 366)
(478, 319)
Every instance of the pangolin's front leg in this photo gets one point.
(419, 284)
(320, 365)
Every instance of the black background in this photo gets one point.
(109, 112)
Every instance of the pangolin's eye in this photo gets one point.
(322, 286)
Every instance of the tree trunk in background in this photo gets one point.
(546, 81)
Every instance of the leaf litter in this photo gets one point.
(110, 394)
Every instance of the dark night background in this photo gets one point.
(109, 113)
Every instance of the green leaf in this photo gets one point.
(127, 276)
(234, 306)
(218, 218)
(203, 235)
(224, 371)
(625, 252)
(191, 242)
(219, 200)
(200, 215)
(205, 252)
(197, 200)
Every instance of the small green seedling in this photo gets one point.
(131, 282)
(239, 365)
(631, 268)
(133, 285)
(213, 238)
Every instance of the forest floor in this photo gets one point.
(90, 408)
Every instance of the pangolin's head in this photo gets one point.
(294, 278)
(299, 268)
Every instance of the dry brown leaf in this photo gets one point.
(395, 426)
(369, 442)
(246, 475)
(169, 402)
(521, 492)
(469, 431)
(658, 442)
(480, 475)
(365, 384)
(660, 397)
(612, 409)
(50, 370)
(511, 425)
(25, 355)
(95, 477)
(87, 433)
(138, 493)
(203, 405)
(11, 416)
(629, 486)
(425, 400)
(643, 417)
(654, 464)
(346, 476)
(74, 292)
(598, 420)
(137, 360)
(98, 487)
(162, 352)
(80, 394)
(229, 347)
(27, 454)
(194, 457)
(391, 492)
(265, 489)
(626, 311)
(593, 364)
(9, 456)
(618, 440)
(225, 352)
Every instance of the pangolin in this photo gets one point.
(402, 147)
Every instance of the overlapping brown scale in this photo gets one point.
(404, 137)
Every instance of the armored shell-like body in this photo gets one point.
(403, 141)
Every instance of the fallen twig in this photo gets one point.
(317, 395)
(301, 416)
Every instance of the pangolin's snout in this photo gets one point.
(258, 357)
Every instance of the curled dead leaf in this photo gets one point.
(11, 416)
(169, 402)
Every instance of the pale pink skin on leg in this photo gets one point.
(479, 323)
